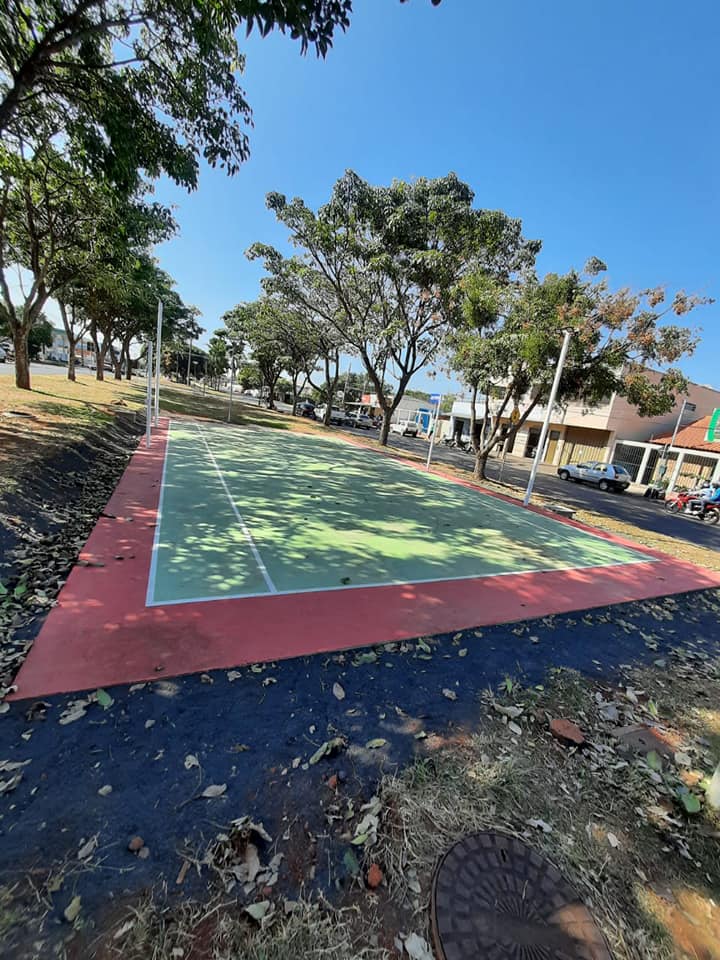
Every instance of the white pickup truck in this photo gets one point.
(406, 428)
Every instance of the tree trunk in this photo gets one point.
(128, 364)
(385, 428)
(71, 359)
(22, 357)
(330, 392)
(481, 459)
(117, 363)
(473, 420)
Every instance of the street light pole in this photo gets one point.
(548, 415)
(662, 468)
(434, 431)
(158, 343)
(148, 408)
(189, 359)
(232, 377)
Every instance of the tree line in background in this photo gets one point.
(412, 275)
(98, 98)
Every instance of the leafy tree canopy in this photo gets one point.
(145, 84)
(380, 267)
(507, 343)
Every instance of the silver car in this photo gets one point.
(606, 476)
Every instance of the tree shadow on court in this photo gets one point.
(323, 514)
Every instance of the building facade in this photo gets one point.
(578, 433)
(59, 350)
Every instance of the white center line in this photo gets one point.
(243, 526)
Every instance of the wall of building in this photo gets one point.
(627, 424)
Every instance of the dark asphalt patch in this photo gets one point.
(248, 732)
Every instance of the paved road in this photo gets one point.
(628, 507)
(8, 369)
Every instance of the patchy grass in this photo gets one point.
(612, 820)
(36, 423)
(218, 929)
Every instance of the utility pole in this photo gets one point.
(436, 420)
(158, 344)
(232, 377)
(548, 414)
(148, 407)
(189, 359)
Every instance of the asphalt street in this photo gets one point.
(8, 369)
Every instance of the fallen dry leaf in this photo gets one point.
(214, 790)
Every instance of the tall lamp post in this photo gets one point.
(662, 469)
(435, 398)
(158, 344)
(548, 414)
(232, 378)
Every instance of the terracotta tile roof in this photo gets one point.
(692, 437)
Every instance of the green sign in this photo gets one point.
(713, 430)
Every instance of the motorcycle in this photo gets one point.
(711, 513)
(691, 505)
(459, 444)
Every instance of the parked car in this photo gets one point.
(406, 428)
(306, 408)
(607, 476)
(336, 415)
(360, 420)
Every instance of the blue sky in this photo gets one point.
(596, 124)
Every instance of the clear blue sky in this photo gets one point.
(595, 123)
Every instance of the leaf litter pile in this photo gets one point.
(607, 780)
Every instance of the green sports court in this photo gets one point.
(248, 512)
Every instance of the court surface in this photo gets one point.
(223, 546)
(250, 513)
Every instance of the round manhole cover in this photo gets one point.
(494, 898)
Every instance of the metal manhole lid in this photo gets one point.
(495, 898)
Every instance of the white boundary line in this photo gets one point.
(243, 526)
(158, 519)
(403, 583)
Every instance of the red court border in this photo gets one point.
(101, 632)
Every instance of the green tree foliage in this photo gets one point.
(40, 336)
(217, 359)
(248, 376)
(64, 228)
(380, 266)
(144, 84)
(507, 344)
(259, 324)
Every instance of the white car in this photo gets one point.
(336, 415)
(406, 428)
(607, 476)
